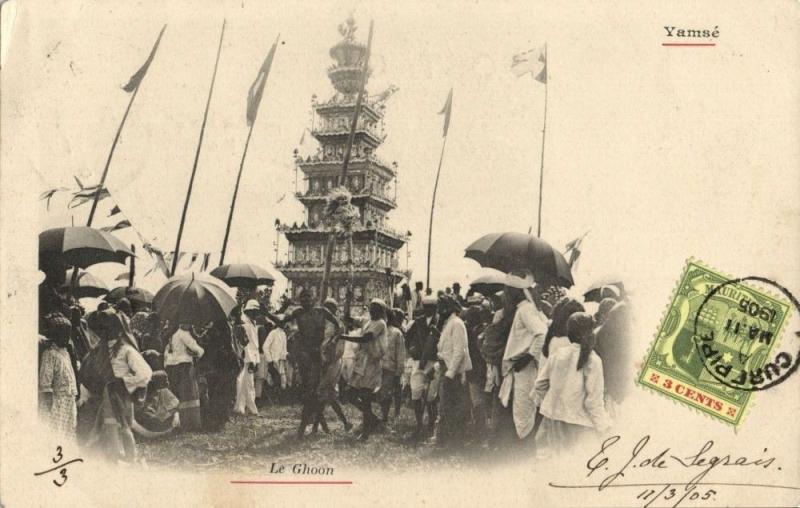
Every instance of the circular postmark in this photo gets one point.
(735, 330)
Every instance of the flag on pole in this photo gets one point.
(48, 195)
(206, 260)
(137, 78)
(533, 62)
(114, 211)
(158, 255)
(194, 258)
(125, 223)
(574, 249)
(86, 194)
(170, 256)
(448, 105)
(257, 88)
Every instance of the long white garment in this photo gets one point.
(570, 395)
(245, 383)
(245, 392)
(526, 337)
(251, 353)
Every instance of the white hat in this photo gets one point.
(330, 301)
(251, 305)
(378, 301)
(515, 281)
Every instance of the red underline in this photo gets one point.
(688, 44)
(292, 482)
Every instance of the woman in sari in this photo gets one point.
(570, 390)
(179, 357)
(115, 372)
(556, 337)
(57, 386)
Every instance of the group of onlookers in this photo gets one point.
(527, 363)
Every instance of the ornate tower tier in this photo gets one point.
(370, 180)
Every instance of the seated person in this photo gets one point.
(158, 414)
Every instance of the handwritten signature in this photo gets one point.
(612, 461)
(62, 467)
(702, 460)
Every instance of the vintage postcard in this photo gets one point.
(382, 253)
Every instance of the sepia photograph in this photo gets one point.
(375, 253)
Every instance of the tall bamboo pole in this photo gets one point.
(343, 177)
(433, 207)
(235, 193)
(256, 102)
(541, 166)
(117, 135)
(196, 156)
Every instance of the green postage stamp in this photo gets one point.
(717, 343)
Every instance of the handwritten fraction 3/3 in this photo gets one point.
(60, 467)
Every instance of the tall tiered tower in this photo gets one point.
(370, 181)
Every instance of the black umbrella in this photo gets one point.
(517, 251)
(243, 275)
(488, 284)
(86, 285)
(193, 300)
(82, 246)
(133, 294)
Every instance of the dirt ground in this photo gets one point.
(252, 443)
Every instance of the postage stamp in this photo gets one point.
(717, 343)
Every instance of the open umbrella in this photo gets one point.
(82, 246)
(86, 285)
(517, 251)
(488, 284)
(133, 294)
(243, 275)
(602, 287)
(194, 300)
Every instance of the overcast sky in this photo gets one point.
(637, 151)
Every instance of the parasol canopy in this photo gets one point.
(243, 275)
(133, 294)
(517, 251)
(194, 301)
(488, 284)
(86, 285)
(82, 246)
(603, 288)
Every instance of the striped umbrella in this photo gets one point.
(193, 300)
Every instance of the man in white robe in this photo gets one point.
(522, 356)
(245, 384)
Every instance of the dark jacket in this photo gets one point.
(422, 339)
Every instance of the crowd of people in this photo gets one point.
(527, 364)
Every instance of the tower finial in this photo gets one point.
(348, 28)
